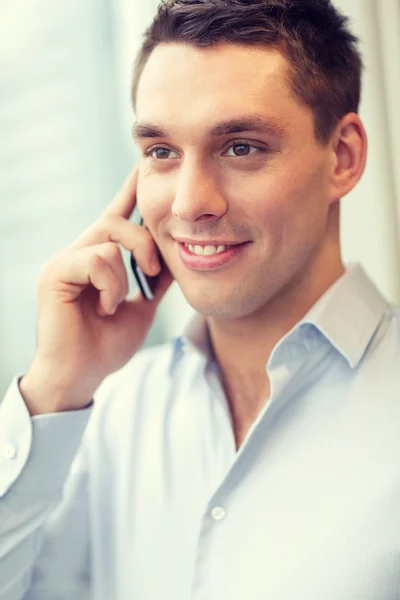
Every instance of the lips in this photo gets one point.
(209, 260)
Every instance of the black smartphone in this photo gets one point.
(147, 284)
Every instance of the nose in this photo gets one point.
(198, 196)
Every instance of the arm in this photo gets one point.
(44, 540)
(87, 329)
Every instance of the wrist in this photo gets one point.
(45, 393)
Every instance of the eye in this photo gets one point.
(160, 153)
(241, 149)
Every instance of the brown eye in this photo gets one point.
(241, 150)
(160, 153)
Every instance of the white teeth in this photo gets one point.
(205, 250)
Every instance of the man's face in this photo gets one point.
(229, 157)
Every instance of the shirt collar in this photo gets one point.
(347, 315)
(195, 336)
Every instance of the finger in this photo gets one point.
(112, 255)
(74, 271)
(130, 235)
(125, 200)
(104, 279)
(138, 307)
(122, 207)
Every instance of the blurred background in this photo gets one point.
(65, 146)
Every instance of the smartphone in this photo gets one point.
(147, 284)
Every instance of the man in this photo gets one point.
(258, 455)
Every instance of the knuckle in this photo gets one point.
(96, 261)
(100, 229)
(106, 224)
(113, 251)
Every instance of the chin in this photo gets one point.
(231, 304)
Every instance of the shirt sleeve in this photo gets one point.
(44, 536)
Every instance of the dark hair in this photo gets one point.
(325, 64)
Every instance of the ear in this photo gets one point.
(349, 154)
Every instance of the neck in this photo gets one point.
(242, 346)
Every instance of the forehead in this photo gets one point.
(182, 85)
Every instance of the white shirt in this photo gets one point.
(159, 504)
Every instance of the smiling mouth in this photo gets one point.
(208, 256)
(205, 250)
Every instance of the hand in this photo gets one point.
(86, 327)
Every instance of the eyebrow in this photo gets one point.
(246, 123)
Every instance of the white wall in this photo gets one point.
(370, 223)
(62, 153)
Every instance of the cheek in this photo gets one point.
(262, 201)
(305, 210)
(154, 198)
(282, 206)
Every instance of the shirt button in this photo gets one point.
(218, 513)
(8, 451)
